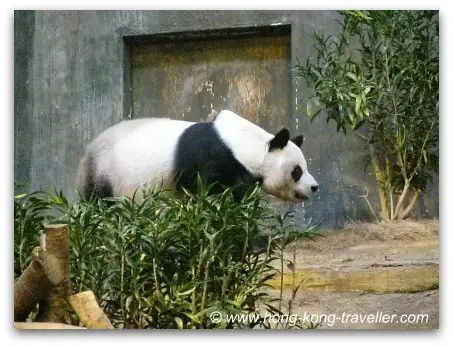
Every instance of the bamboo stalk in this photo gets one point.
(401, 200)
(410, 206)
(382, 193)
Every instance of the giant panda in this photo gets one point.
(229, 150)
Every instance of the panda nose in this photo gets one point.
(314, 188)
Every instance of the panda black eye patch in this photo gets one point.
(296, 173)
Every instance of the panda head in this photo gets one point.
(284, 169)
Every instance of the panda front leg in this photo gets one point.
(242, 185)
(219, 182)
(220, 178)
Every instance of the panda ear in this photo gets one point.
(298, 140)
(280, 140)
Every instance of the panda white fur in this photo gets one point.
(170, 153)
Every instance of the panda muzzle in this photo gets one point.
(300, 196)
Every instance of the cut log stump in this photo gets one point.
(35, 283)
(55, 306)
(43, 326)
(89, 312)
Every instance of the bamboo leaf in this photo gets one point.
(309, 109)
(352, 76)
(358, 102)
(179, 323)
(193, 317)
(358, 125)
(315, 115)
(187, 292)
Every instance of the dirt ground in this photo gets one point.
(367, 271)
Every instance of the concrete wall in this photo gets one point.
(73, 79)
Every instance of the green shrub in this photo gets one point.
(379, 78)
(165, 262)
(31, 212)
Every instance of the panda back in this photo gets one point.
(200, 150)
(136, 153)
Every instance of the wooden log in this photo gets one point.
(55, 306)
(44, 325)
(89, 312)
(35, 283)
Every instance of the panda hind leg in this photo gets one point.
(90, 185)
(102, 188)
